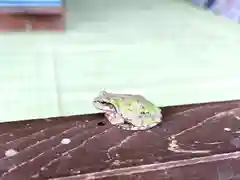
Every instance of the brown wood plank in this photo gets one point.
(32, 19)
(192, 140)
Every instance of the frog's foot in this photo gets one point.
(136, 128)
(126, 126)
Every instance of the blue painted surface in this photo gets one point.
(209, 3)
(227, 8)
(35, 3)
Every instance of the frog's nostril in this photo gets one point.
(101, 123)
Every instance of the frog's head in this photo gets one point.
(103, 102)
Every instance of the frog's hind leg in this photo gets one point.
(125, 126)
(136, 128)
(150, 126)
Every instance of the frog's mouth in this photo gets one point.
(104, 106)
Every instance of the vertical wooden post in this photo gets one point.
(31, 18)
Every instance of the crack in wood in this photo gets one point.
(173, 142)
(152, 167)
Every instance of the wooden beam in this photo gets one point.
(32, 18)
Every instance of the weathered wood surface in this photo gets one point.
(194, 142)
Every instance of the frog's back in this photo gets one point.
(136, 105)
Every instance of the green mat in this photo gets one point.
(168, 51)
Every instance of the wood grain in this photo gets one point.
(192, 139)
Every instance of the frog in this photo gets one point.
(128, 111)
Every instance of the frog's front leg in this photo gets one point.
(132, 127)
(114, 118)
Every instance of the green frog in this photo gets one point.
(127, 111)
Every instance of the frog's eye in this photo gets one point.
(103, 93)
(109, 105)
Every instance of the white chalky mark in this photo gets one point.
(75, 171)
(31, 135)
(237, 117)
(58, 154)
(116, 163)
(213, 143)
(179, 150)
(66, 141)
(204, 121)
(35, 176)
(153, 167)
(227, 129)
(124, 141)
(39, 155)
(10, 152)
(173, 146)
(129, 161)
(75, 148)
(42, 141)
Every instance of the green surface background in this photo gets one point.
(166, 50)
